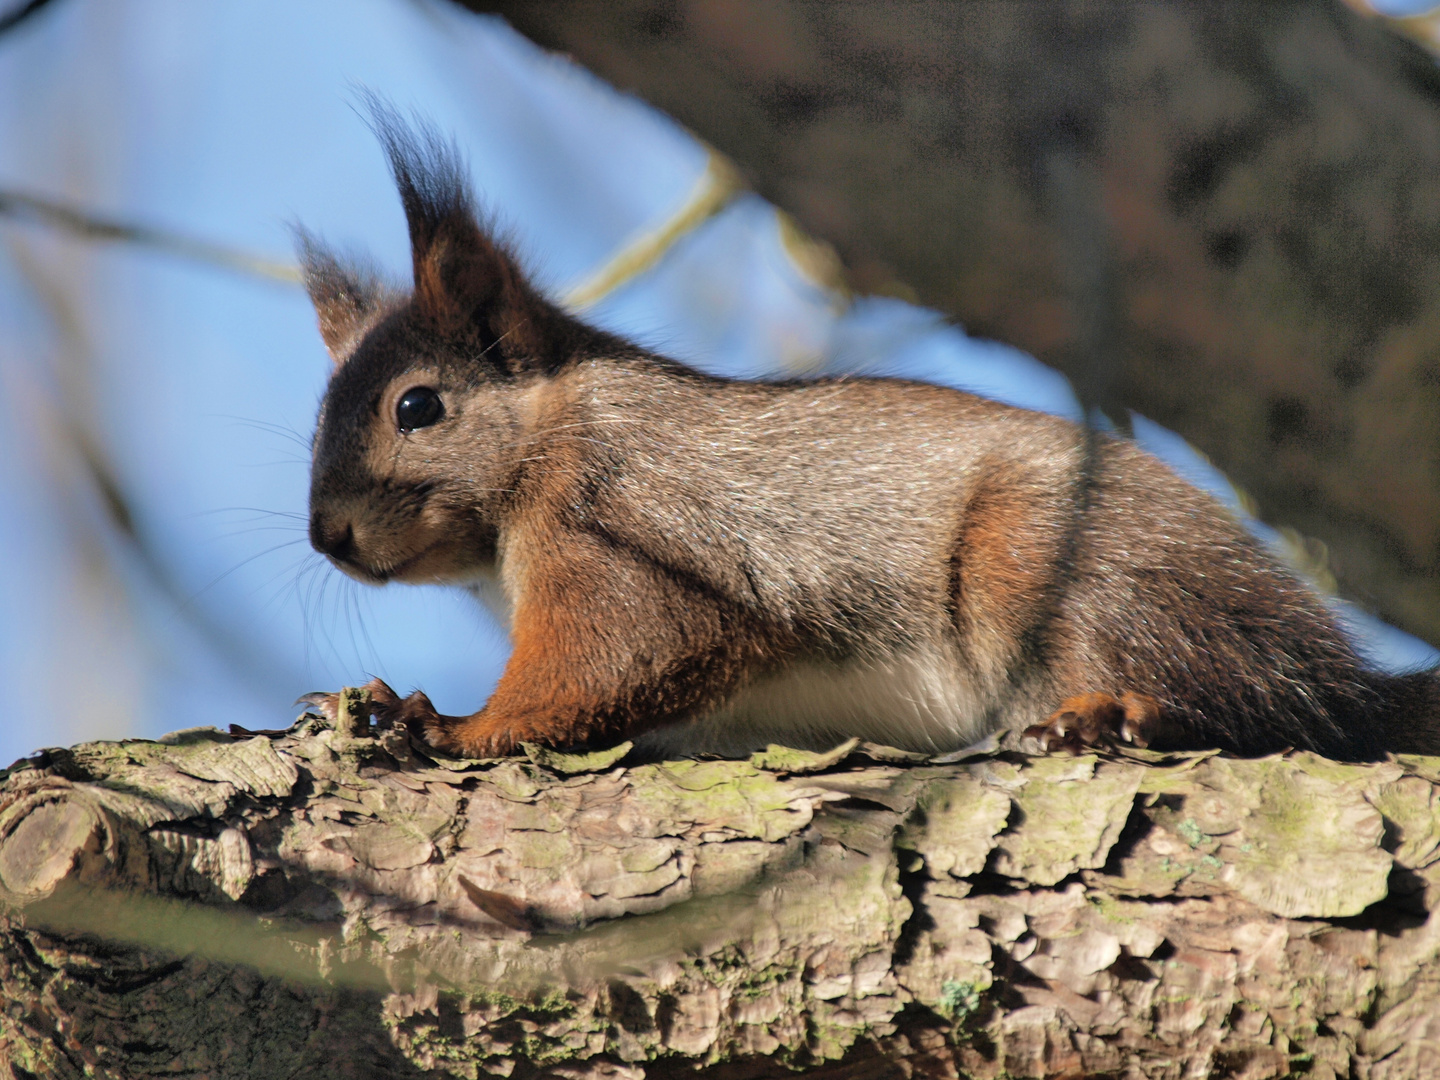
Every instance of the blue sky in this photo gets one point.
(1402, 7)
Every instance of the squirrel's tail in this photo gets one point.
(1412, 711)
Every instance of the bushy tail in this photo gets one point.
(1412, 716)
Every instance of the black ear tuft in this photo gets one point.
(347, 298)
(465, 281)
(430, 173)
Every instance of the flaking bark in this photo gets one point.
(320, 904)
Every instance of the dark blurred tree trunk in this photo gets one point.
(1223, 215)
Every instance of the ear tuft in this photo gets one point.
(465, 281)
(429, 172)
(347, 299)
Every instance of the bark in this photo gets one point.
(322, 904)
(1220, 214)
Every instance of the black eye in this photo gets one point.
(419, 407)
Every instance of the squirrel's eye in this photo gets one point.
(419, 407)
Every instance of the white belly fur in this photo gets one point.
(487, 586)
(916, 701)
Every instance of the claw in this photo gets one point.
(348, 711)
(1092, 720)
(326, 704)
(351, 709)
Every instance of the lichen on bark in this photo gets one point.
(317, 904)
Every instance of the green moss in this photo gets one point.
(763, 983)
(827, 1042)
(958, 1000)
(719, 794)
(954, 826)
(1109, 908)
(1422, 765)
(1070, 813)
(540, 850)
(1316, 841)
(1057, 768)
(595, 761)
(1191, 833)
(519, 783)
(704, 775)
(1208, 868)
(784, 759)
(1334, 772)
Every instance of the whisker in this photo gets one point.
(228, 533)
(323, 600)
(268, 427)
(313, 573)
(301, 462)
(351, 605)
(284, 572)
(240, 565)
(372, 651)
(257, 510)
(503, 336)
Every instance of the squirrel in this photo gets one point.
(710, 565)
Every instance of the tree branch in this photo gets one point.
(317, 904)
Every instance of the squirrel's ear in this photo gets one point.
(346, 299)
(465, 281)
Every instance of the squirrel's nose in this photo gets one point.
(336, 539)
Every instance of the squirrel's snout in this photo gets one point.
(336, 539)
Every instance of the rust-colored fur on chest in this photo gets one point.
(708, 564)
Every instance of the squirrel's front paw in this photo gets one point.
(322, 702)
(375, 699)
(1090, 720)
(460, 736)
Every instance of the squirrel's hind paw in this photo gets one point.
(1091, 720)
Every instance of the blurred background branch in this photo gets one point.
(88, 226)
(13, 16)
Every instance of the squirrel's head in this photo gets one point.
(421, 428)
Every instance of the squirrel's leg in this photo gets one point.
(606, 645)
